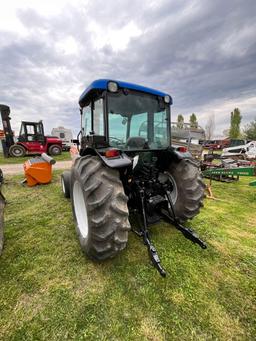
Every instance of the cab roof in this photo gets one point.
(102, 84)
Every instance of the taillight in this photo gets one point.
(182, 149)
(112, 153)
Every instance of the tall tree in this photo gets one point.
(235, 121)
(225, 132)
(180, 121)
(193, 121)
(210, 127)
(250, 130)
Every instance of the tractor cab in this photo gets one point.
(31, 132)
(125, 116)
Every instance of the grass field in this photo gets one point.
(12, 160)
(50, 291)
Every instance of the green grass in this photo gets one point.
(50, 291)
(15, 160)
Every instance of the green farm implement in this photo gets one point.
(229, 171)
(224, 174)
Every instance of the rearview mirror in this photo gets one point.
(76, 141)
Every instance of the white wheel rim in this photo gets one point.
(63, 186)
(17, 151)
(174, 192)
(80, 209)
(55, 151)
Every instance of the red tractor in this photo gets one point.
(31, 139)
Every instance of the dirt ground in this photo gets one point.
(18, 168)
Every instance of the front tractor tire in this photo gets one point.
(54, 150)
(99, 207)
(65, 183)
(17, 150)
(187, 189)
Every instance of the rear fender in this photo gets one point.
(22, 144)
(169, 156)
(121, 161)
(49, 144)
(181, 155)
(178, 156)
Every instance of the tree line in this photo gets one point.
(234, 131)
(192, 120)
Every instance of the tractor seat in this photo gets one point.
(136, 142)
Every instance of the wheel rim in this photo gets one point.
(17, 152)
(165, 178)
(174, 192)
(63, 186)
(80, 209)
(55, 151)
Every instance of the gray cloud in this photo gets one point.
(202, 52)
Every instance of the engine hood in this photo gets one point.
(54, 139)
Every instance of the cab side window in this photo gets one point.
(87, 120)
(98, 117)
(30, 132)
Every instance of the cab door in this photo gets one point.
(33, 144)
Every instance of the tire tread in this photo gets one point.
(106, 208)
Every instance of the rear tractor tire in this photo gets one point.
(65, 183)
(55, 150)
(187, 189)
(1, 225)
(99, 207)
(2, 203)
(17, 150)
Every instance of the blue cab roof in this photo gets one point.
(102, 84)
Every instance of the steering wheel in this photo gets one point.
(118, 141)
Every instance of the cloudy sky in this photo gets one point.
(201, 52)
